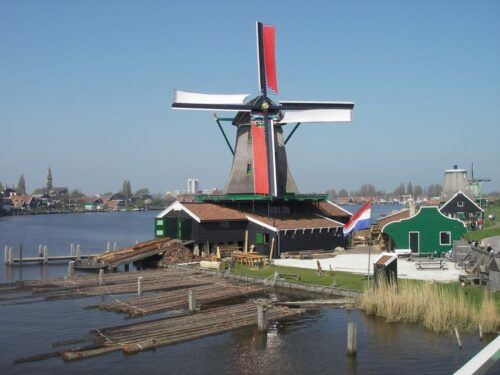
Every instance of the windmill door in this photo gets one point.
(414, 241)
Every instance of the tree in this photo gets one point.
(126, 189)
(343, 193)
(21, 186)
(143, 191)
(418, 191)
(332, 193)
(76, 194)
(367, 190)
(409, 189)
(400, 190)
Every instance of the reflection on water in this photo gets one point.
(314, 343)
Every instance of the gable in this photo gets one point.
(460, 202)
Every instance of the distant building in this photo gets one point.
(23, 202)
(48, 184)
(115, 204)
(193, 186)
(94, 204)
(462, 207)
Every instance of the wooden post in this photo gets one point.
(246, 241)
(45, 254)
(11, 258)
(457, 335)
(101, 277)
(6, 255)
(108, 247)
(71, 268)
(21, 253)
(78, 255)
(114, 246)
(191, 300)
(72, 249)
(272, 249)
(139, 285)
(351, 338)
(217, 254)
(262, 322)
(40, 251)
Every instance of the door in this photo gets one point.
(414, 241)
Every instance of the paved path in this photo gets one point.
(358, 263)
(493, 241)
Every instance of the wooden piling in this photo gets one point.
(457, 335)
(114, 246)
(45, 254)
(246, 241)
(191, 300)
(139, 285)
(71, 268)
(21, 254)
(108, 247)
(78, 254)
(72, 249)
(272, 249)
(11, 256)
(6, 255)
(101, 277)
(262, 321)
(351, 339)
(40, 250)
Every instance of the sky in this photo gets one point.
(86, 88)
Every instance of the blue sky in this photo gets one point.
(86, 87)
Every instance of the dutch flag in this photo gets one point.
(360, 220)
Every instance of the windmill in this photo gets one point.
(475, 184)
(259, 159)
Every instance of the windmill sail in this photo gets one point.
(266, 57)
(315, 112)
(210, 102)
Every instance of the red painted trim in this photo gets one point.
(269, 35)
(261, 177)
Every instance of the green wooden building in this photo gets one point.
(426, 232)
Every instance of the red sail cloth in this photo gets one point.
(260, 172)
(269, 35)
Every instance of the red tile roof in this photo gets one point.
(403, 214)
(213, 212)
(331, 209)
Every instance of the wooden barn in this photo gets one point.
(296, 225)
(462, 207)
(427, 232)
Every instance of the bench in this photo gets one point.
(431, 265)
(401, 252)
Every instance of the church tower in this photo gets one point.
(49, 180)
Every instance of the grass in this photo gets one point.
(308, 276)
(490, 228)
(438, 307)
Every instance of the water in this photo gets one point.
(314, 343)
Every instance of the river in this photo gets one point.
(314, 343)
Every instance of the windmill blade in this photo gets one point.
(210, 102)
(266, 58)
(315, 112)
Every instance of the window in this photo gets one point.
(261, 238)
(249, 169)
(479, 214)
(445, 238)
(460, 215)
(471, 214)
(460, 204)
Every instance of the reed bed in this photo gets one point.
(438, 307)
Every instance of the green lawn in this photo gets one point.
(308, 276)
(491, 228)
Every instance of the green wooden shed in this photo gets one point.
(426, 232)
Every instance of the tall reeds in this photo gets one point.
(438, 307)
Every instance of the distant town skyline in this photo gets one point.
(85, 88)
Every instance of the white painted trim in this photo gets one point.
(264, 225)
(314, 101)
(465, 196)
(336, 205)
(444, 244)
(258, 57)
(409, 243)
(327, 218)
(460, 205)
(177, 206)
(273, 153)
(207, 108)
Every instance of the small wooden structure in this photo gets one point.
(249, 259)
(385, 267)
